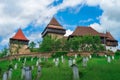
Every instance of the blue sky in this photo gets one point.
(33, 16)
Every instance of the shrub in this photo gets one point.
(117, 53)
(58, 54)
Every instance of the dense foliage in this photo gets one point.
(85, 43)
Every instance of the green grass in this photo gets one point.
(97, 69)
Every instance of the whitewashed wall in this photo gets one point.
(114, 49)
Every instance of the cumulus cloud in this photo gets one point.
(16, 14)
(68, 32)
(110, 19)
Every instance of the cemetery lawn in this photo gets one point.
(97, 69)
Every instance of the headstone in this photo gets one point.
(53, 60)
(37, 63)
(70, 62)
(24, 60)
(109, 59)
(40, 60)
(32, 67)
(105, 55)
(87, 58)
(75, 56)
(39, 72)
(19, 59)
(74, 61)
(75, 72)
(56, 62)
(10, 74)
(4, 76)
(31, 59)
(84, 62)
(23, 73)
(15, 67)
(90, 56)
(113, 57)
(62, 59)
(28, 75)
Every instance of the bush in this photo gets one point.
(58, 54)
(117, 53)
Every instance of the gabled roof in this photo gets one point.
(83, 30)
(109, 36)
(19, 36)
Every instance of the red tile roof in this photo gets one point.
(82, 30)
(109, 36)
(20, 36)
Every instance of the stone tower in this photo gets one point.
(19, 43)
(54, 29)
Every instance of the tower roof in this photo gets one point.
(20, 36)
(54, 22)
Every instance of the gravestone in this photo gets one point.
(15, 67)
(38, 72)
(62, 59)
(105, 55)
(53, 60)
(56, 62)
(19, 59)
(74, 61)
(75, 72)
(84, 62)
(28, 75)
(23, 72)
(10, 74)
(40, 60)
(37, 63)
(32, 67)
(70, 62)
(108, 59)
(113, 57)
(90, 56)
(75, 56)
(5, 77)
(24, 60)
(31, 59)
(87, 59)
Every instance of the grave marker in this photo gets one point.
(109, 59)
(75, 72)
(70, 62)
(10, 74)
(5, 76)
(28, 75)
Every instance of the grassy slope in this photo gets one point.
(97, 69)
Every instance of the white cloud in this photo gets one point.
(20, 13)
(110, 18)
(68, 32)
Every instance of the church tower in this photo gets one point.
(19, 43)
(54, 29)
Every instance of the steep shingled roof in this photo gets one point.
(109, 36)
(19, 36)
(82, 30)
(54, 24)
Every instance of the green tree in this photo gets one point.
(31, 46)
(4, 52)
(46, 44)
